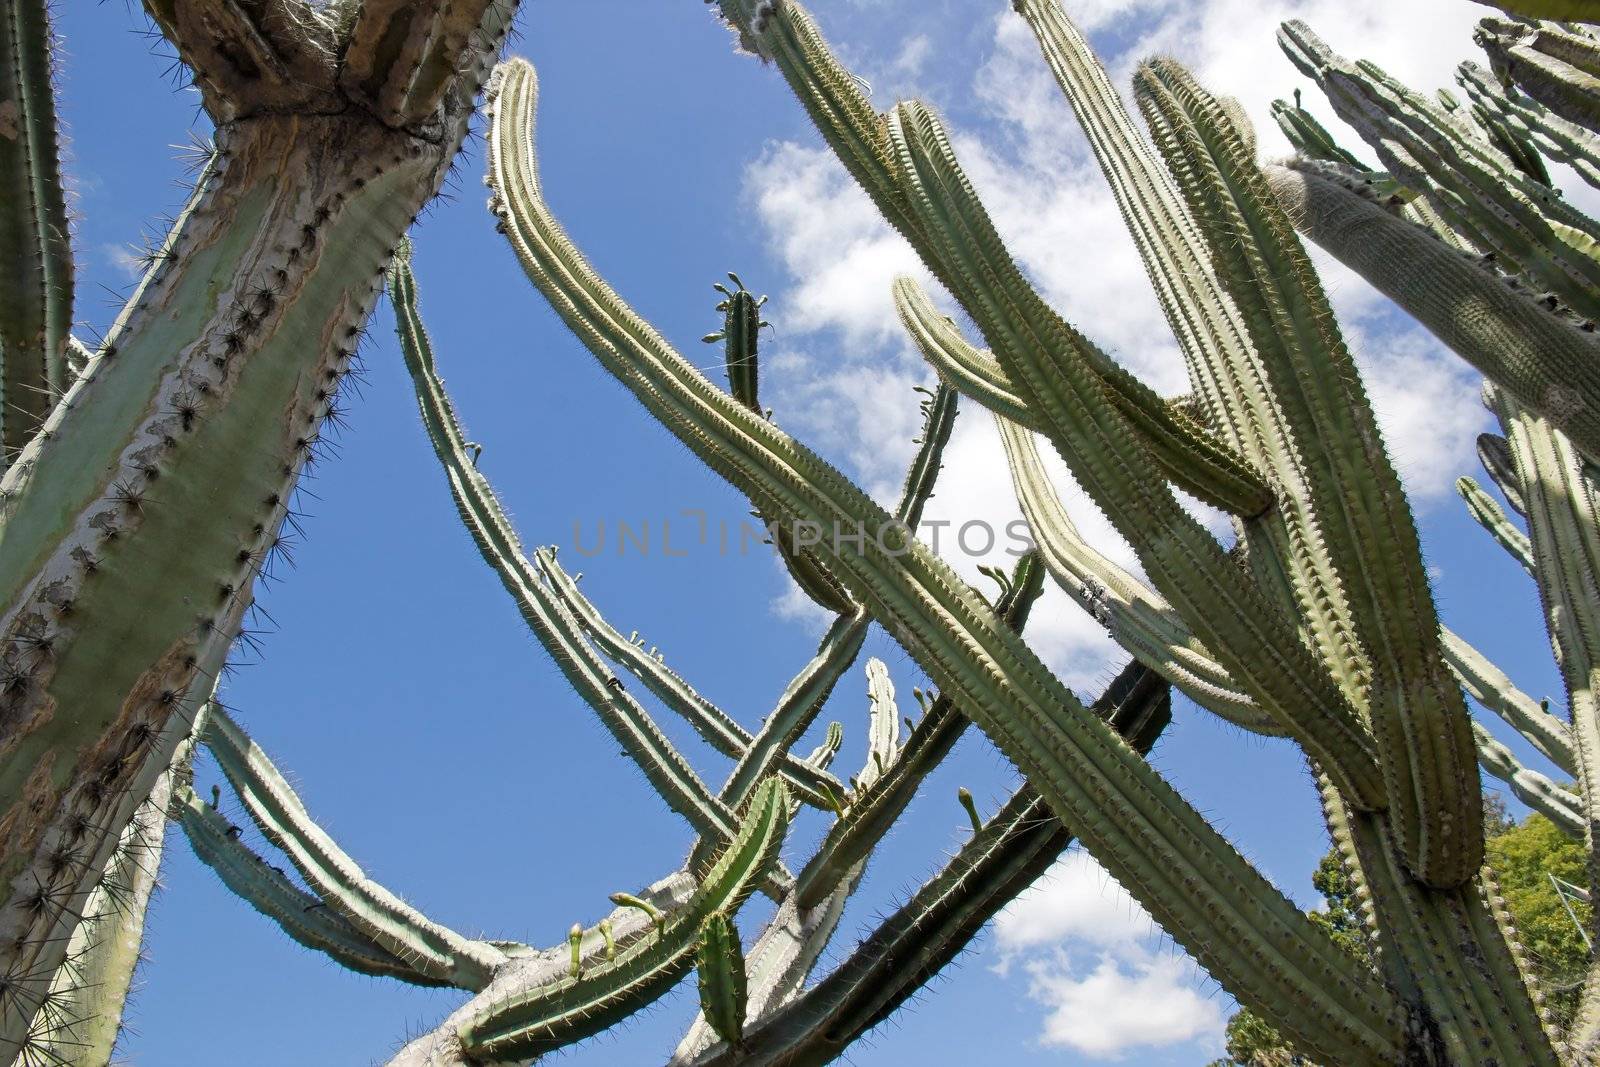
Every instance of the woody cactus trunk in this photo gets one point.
(1314, 622)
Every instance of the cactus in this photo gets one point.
(118, 601)
(1314, 624)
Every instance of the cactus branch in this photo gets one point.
(430, 949)
(35, 249)
(1006, 856)
(1065, 750)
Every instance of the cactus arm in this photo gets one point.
(1512, 139)
(215, 383)
(1489, 686)
(1547, 360)
(799, 704)
(629, 923)
(80, 1019)
(1555, 66)
(883, 724)
(431, 949)
(1185, 452)
(886, 788)
(1003, 687)
(35, 247)
(972, 371)
(1560, 805)
(717, 727)
(806, 693)
(724, 996)
(1553, 135)
(1475, 187)
(1308, 136)
(1487, 512)
(1136, 616)
(959, 243)
(1107, 454)
(1495, 455)
(913, 944)
(304, 917)
(551, 1016)
(792, 942)
(1564, 525)
(1415, 709)
(551, 622)
(938, 419)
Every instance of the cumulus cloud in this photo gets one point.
(1093, 960)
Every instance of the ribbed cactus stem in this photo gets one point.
(215, 382)
(1550, 361)
(1558, 138)
(1557, 67)
(1560, 805)
(36, 271)
(432, 949)
(1487, 512)
(1003, 858)
(550, 1016)
(724, 996)
(1489, 686)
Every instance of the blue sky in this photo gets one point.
(428, 732)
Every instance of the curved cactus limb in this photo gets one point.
(1358, 506)
(1553, 135)
(432, 950)
(1558, 804)
(1136, 616)
(792, 942)
(548, 1017)
(1495, 455)
(304, 917)
(1487, 512)
(1006, 856)
(629, 924)
(1546, 359)
(546, 615)
(1037, 721)
(1489, 686)
(717, 727)
(35, 245)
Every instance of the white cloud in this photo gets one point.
(1093, 958)
(124, 259)
(1123, 1004)
(1075, 899)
